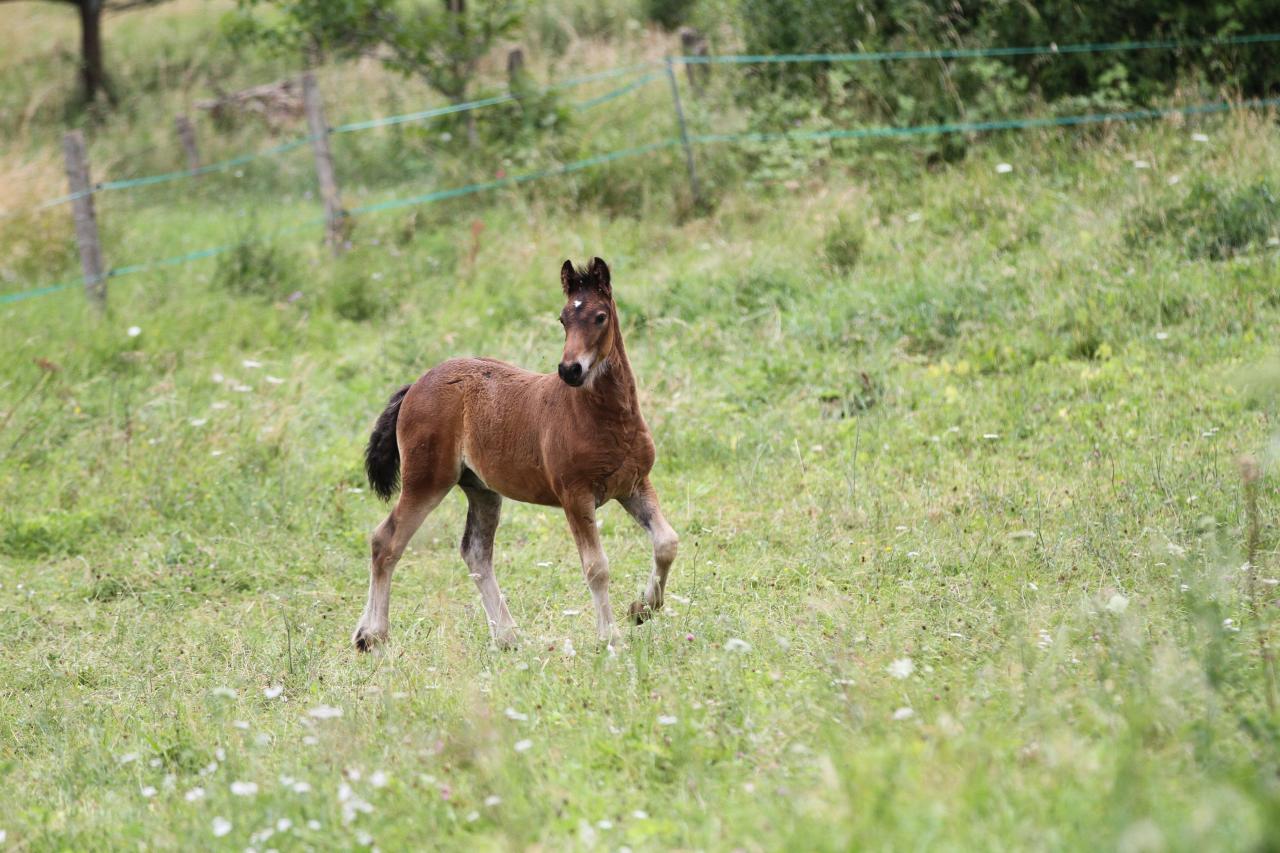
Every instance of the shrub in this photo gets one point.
(801, 26)
(843, 245)
(669, 13)
(1214, 221)
(354, 298)
(256, 267)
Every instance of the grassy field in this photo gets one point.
(953, 454)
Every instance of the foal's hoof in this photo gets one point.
(507, 641)
(640, 612)
(366, 640)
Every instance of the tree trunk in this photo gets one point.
(92, 75)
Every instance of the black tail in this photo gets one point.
(382, 456)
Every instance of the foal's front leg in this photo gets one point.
(595, 565)
(643, 507)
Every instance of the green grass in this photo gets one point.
(987, 422)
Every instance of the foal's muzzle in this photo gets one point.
(571, 373)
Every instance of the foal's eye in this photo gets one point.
(600, 318)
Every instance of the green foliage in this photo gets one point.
(843, 244)
(670, 14)
(798, 26)
(1215, 220)
(441, 43)
(256, 267)
(49, 533)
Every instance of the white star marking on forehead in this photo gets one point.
(577, 303)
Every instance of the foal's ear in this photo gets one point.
(569, 279)
(598, 271)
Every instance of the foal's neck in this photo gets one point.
(615, 387)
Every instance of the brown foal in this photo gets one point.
(574, 440)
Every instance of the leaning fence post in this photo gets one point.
(95, 281)
(684, 134)
(334, 216)
(187, 136)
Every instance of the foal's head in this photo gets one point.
(590, 322)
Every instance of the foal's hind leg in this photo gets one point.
(643, 507)
(484, 507)
(389, 542)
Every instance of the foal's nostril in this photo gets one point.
(571, 372)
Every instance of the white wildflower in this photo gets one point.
(901, 668)
(224, 692)
(1199, 137)
(273, 691)
(128, 757)
(301, 787)
(903, 714)
(313, 825)
(244, 789)
(1117, 604)
(666, 720)
(221, 826)
(640, 814)
(378, 779)
(1003, 168)
(284, 825)
(149, 791)
(352, 804)
(513, 714)
(134, 331)
(492, 800)
(568, 649)
(275, 380)
(325, 712)
(194, 795)
(524, 745)
(1141, 164)
(733, 644)
(251, 364)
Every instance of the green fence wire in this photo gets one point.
(981, 52)
(700, 139)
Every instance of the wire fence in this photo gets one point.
(634, 78)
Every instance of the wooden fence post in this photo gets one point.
(515, 68)
(187, 136)
(684, 134)
(95, 279)
(334, 216)
(694, 43)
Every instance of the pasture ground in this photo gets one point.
(988, 422)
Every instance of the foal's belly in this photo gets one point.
(518, 481)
